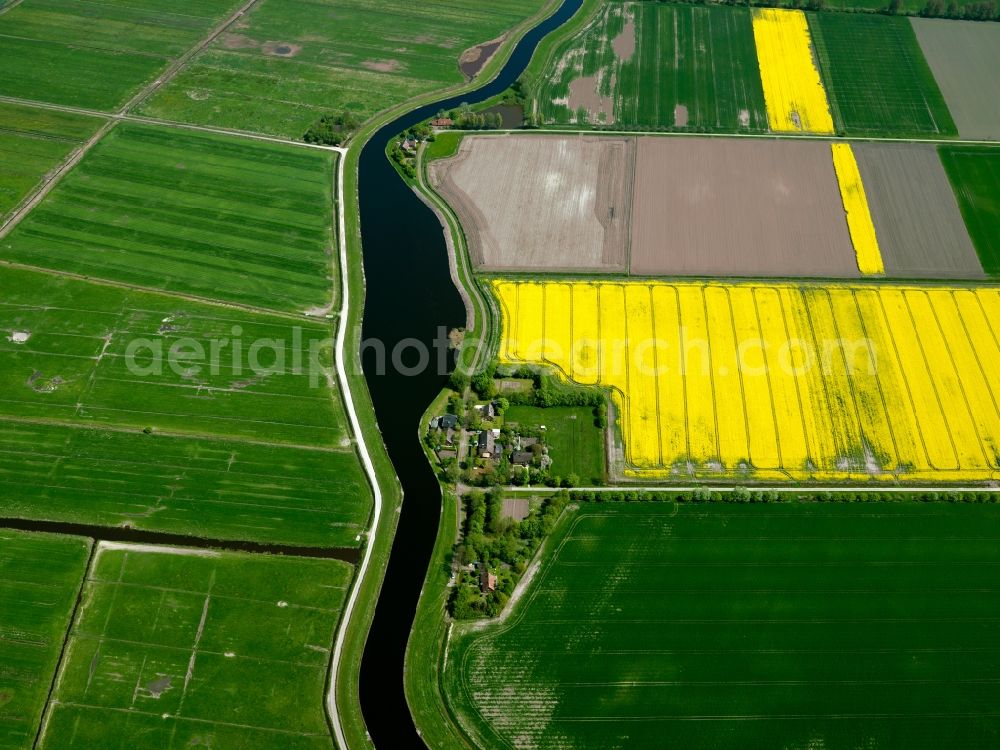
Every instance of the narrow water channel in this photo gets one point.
(409, 296)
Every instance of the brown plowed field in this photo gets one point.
(541, 203)
(965, 59)
(917, 221)
(734, 207)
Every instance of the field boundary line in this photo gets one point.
(43, 722)
(175, 67)
(10, 6)
(33, 199)
(210, 437)
(782, 488)
(152, 290)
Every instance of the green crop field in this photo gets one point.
(975, 176)
(251, 443)
(576, 444)
(749, 626)
(40, 575)
(223, 651)
(226, 218)
(34, 142)
(290, 61)
(692, 68)
(876, 77)
(97, 55)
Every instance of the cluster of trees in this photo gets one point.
(981, 11)
(407, 164)
(744, 495)
(500, 545)
(466, 119)
(331, 130)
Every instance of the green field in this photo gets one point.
(876, 77)
(225, 651)
(291, 61)
(576, 444)
(226, 218)
(975, 175)
(97, 55)
(222, 456)
(693, 63)
(34, 142)
(746, 626)
(40, 576)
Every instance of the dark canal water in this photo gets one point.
(409, 296)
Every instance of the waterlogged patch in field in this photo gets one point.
(876, 76)
(793, 91)
(40, 575)
(91, 354)
(661, 66)
(33, 142)
(859, 217)
(777, 381)
(199, 650)
(755, 627)
(97, 55)
(287, 62)
(196, 213)
(975, 175)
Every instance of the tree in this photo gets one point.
(458, 381)
(331, 130)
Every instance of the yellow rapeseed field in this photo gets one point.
(784, 380)
(859, 217)
(793, 91)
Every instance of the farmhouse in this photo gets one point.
(487, 581)
(487, 444)
(442, 122)
(522, 458)
(448, 422)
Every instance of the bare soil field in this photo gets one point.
(720, 207)
(535, 202)
(920, 228)
(965, 58)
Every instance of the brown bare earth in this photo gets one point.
(539, 202)
(382, 66)
(733, 207)
(624, 43)
(919, 227)
(473, 59)
(965, 59)
(516, 510)
(584, 93)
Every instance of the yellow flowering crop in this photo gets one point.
(793, 92)
(799, 381)
(859, 217)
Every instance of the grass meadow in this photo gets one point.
(224, 651)
(92, 430)
(230, 219)
(974, 172)
(692, 68)
(33, 142)
(290, 61)
(876, 77)
(791, 625)
(97, 55)
(40, 575)
(576, 443)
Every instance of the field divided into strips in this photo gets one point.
(40, 575)
(220, 217)
(192, 650)
(793, 90)
(658, 66)
(859, 217)
(287, 62)
(975, 176)
(757, 627)
(78, 355)
(876, 77)
(34, 142)
(97, 55)
(836, 382)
